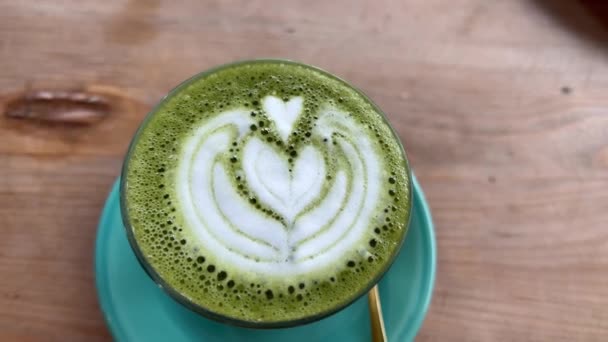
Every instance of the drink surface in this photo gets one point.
(267, 191)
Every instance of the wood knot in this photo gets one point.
(73, 107)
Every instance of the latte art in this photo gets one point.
(320, 211)
(266, 193)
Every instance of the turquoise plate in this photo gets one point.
(135, 308)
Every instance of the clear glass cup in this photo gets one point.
(179, 297)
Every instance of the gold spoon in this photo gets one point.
(375, 314)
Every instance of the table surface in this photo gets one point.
(502, 107)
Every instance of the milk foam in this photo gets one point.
(321, 207)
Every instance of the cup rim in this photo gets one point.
(185, 301)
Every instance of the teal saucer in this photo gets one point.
(136, 309)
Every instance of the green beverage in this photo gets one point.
(266, 194)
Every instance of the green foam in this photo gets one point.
(166, 243)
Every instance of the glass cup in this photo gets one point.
(179, 297)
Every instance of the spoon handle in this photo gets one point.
(375, 314)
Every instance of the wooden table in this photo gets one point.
(502, 106)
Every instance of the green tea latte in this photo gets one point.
(265, 193)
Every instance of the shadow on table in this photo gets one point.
(587, 18)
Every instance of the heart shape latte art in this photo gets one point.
(287, 190)
(263, 202)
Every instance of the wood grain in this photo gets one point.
(502, 106)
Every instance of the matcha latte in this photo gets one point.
(266, 194)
